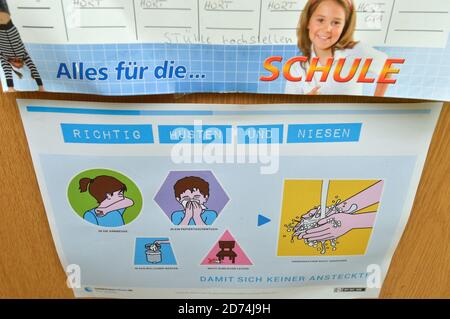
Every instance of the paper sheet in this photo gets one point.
(225, 46)
(380, 22)
(219, 201)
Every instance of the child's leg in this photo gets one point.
(33, 69)
(7, 69)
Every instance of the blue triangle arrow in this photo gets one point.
(262, 220)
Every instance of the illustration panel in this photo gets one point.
(226, 251)
(342, 227)
(191, 198)
(154, 251)
(104, 197)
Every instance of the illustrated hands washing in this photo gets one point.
(338, 220)
(320, 227)
(305, 222)
(336, 225)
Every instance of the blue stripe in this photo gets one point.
(43, 109)
(323, 112)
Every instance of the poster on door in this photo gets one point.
(219, 201)
(393, 48)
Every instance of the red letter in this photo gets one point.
(362, 77)
(288, 65)
(313, 68)
(272, 69)
(388, 70)
(338, 70)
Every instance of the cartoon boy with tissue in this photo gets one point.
(192, 193)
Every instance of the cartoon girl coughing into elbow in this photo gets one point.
(109, 193)
(325, 31)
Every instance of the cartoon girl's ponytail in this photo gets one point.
(84, 183)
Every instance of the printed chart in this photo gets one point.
(271, 22)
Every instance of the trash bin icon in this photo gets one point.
(153, 252)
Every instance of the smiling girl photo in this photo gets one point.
(325, 31)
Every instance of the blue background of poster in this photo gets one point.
(110, 261)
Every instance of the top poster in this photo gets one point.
(394, 48)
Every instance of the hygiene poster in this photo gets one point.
(226, 201)
(393, 48)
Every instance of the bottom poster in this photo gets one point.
(226, 201)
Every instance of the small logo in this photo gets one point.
(349, 289)
(88, 289)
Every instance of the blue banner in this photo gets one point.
(324, 133)
(201, 134)
(107, 134)
(260, 134)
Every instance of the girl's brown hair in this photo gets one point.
(346, 39)
(100, 186)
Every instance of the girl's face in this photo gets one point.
(4, 18)
(326, 24)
